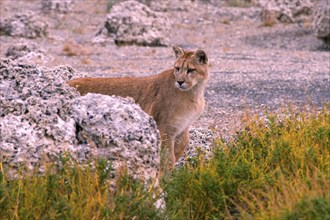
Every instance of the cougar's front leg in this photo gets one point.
(180, 144)
(167, 145)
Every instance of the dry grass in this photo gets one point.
(266, 172)
(268, 19)
(71, 48)
(75, 192)
(276, 168)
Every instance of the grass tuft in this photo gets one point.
(71, 191)
(268, 169)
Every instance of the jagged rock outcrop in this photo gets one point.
(27, 52)
(26, 25)
(41, 118)
(131, 22)
(121, 132)
(288, 11)
(321, 21)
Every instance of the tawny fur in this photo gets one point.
(174, 98)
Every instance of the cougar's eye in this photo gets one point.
(177, 69)
(190, 70)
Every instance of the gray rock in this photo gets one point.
(321, 21)
(169, 5)
(26, 25)
(288, 11)
(59, 6)
(41, 118)
(131, 22)
(24, 86)
(34, 120)
(27, 52)
(121, 132)
(201, 140)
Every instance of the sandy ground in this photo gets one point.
(252, 67)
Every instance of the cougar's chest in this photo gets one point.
(188, 114)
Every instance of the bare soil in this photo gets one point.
(253, 68)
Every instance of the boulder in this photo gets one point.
(120, 131)
(58, 6)
(43, 119)
(27, 52)
(131, 22)
(26, 25)
(321, 21)
(288, 11)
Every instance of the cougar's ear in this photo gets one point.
(201, 57)
(177, 50)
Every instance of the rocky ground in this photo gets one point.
(253, 66)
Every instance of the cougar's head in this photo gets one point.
(190, 68)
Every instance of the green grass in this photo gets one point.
(314, 208)
(74, 192)
(272, 169)
(268, 169)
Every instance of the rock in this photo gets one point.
(131, 22)
(42, 118)
(27, 52)
(321, 21)
(23, 25)
(288, 11)
(121, 132)
(59, 6)
(34, 120)
(165, 5)
(24, 86)
(201, 140)
(169, 5)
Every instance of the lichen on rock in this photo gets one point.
(25, 24)
(131, 22)
(42, 119)
(28, 53)
(288, 11)
(321, 21)
(121, 132)
(59, 6)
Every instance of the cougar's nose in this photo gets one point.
(180, 82)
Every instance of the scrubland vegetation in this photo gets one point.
(277, 168)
